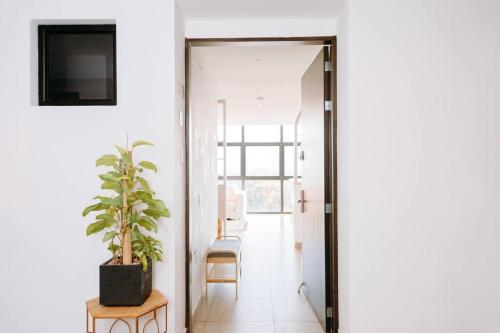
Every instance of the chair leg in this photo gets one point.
(206, 282)
(236, 273)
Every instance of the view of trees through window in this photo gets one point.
(260, 161)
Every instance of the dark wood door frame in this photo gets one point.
(330, 168)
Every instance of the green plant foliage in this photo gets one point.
(137, 214)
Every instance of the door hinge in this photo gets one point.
(329, 312)
(328, 105)
(328, 66)
(328, 208)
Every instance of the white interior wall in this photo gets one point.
(203, 171)
(343, 180)
(260, 28)
(50, 266)
(422, 149)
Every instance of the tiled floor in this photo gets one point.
(267, 296)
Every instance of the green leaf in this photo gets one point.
(116, 201)
(159, 206)
(109, 178)
(144, 184)
(148, 165)
(152, 212)
(109, 235)
(134, 218)
(144, 262)
(112, 186)
(145, 224)
(141, 143)
(108, 160)
(143, 195)
(106, 217)
(113, 247)
(136, 236)
(121, 150)
(95, 208)
(148, 223)
(98, 226)
(127, 160)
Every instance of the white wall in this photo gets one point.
(422, 143)
(203, 171)
(260, 28)
(49, 266)
(343, 179)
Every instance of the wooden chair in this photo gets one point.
(225, 252)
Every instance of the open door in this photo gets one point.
(316, 178)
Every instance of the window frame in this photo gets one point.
(243, 177)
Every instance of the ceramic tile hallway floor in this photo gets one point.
(267, 297)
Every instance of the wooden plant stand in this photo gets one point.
(154, 302)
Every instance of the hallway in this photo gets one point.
(271, 273)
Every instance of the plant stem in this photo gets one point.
(125, 228)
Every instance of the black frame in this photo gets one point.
(281, 177)
(330, 168)
(43, 30)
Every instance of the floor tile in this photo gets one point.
(267, 301)
(241, 310)
(198, 327)
(298, 328)
(221, 327)
(285, 290)
(259, 290)
(201, 313)
(293, 310)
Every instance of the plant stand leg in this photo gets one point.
(136, 325)
(166, 318)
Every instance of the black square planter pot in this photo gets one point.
(124, 284)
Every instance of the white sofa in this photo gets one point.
(235, 204)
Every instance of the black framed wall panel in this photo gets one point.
(77, 65)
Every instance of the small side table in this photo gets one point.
(154, 302)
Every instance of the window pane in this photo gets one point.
(288, 133)
(289, 160)
(288, 195)
(299, 133)
(233, 133)
(263, 161)
(263, 195)
(233, 161)
(262, 133)
(237, 184)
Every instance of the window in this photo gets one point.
(289, 160)
(263, 195)
(288, 133)
(260, 160)
(262, 133)
(288, 195)
(233, 133)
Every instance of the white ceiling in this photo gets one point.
(259, 9)
(242, 74)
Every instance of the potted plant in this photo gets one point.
(127, 216)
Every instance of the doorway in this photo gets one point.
(270, 209)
